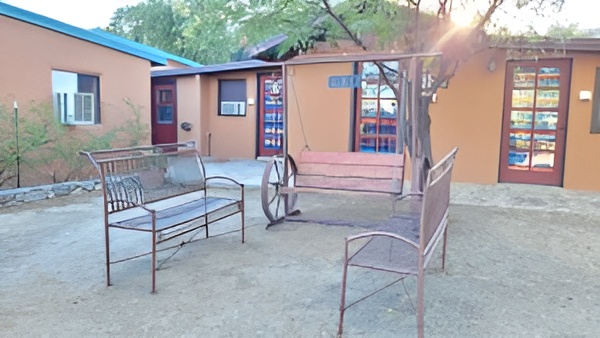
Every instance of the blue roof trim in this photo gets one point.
(76, 32)
(224, 67)
(143, 47)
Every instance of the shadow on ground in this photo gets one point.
(527, 269)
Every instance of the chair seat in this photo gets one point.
(388, 253)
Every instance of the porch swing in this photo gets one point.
(346, 172)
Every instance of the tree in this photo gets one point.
(211, 30)
(564, 32)
(421, 35)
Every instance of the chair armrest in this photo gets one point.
(381, 234)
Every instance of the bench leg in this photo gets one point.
(243, 224)
(107, 247)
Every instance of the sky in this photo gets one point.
(97, 13)
(81, 13)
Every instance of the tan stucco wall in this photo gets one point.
(30, 53)
(188, 108)
(231, 136)
(325, 113)
(468, 114)
(582, 158)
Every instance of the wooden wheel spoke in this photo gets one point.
(279, 173)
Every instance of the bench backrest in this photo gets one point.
(139, 175)
(435, 205)
(351, 171)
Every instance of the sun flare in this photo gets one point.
(462, 18)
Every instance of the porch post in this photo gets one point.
(416, 157)
(284, 76)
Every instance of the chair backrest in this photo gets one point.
(435, 205)
(139, 175)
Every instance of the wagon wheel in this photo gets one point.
(277, 204)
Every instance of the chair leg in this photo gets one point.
(153, 262)
(343, 296)
(421, 302)
(444, 248)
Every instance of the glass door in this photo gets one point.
(270, 124)
(535, 111)
(377, 109)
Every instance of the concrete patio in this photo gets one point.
(522, 262)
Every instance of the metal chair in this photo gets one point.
(406, 247)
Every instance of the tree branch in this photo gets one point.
(339, 20)
(494, 4)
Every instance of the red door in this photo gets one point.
(270, 116)
(534, 123)
(164, 113)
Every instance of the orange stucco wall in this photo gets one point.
(230, 136)
(188, 108)
(30, 53)
(324, 112)
(468, 114)
(582, 158)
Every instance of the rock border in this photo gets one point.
(11, 197)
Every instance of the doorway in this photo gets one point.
(270, 114)
(536, 102)
(164, 112)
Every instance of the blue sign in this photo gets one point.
(344, 81)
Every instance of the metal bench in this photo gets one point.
(405, 247)
(162, 190)
(327, 171)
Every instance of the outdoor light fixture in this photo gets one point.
(491, 66)
(186, 126)
(585, 95)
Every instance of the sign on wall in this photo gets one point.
(344, 81)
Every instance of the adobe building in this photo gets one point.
(519, 114)
(85, 74)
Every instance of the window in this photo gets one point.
(76, 97)
(165, 106)
(377, 108)
(595, 126)
(232, 97)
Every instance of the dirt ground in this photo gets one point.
(516, 268)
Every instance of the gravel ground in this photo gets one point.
(516, 268)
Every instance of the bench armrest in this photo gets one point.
(231, 180)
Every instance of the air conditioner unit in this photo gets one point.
(233, 108)
(84, 108)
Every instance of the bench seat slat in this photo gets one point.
(350, 184)
(352, 158)
(358, 170)
(176, 215)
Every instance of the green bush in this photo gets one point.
(51, 149)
